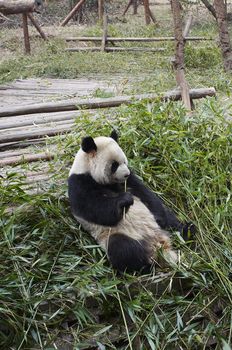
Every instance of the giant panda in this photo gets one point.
(126, 218)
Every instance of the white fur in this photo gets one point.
(138, 224)
(98, 163)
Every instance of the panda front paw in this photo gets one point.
(125, 201)
(188, 231)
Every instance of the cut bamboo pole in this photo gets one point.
(25, 152)
(10, 7)
(10, 154)
(21, 144)
(37, 26)
(7, 154)
(136, 49)
(26, 158)
(21, 134)
(33, 126)
(72, 105)
(115, 49)
(38, 119)
(72, 13)
(26, 34)
(145, 40)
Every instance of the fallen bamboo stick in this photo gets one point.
(10, 154)
(115, 49)
(22, 144)
(26, 158)
(10, 7)
(142, 49)
(71, 105)
(24, 151)
(113, 39)
(17, 135)
(34, 126)
(38, 119)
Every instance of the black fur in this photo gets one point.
(99, 204)
(127, 254)
(114, 135)
(188, 231)
(88, 145)
(165, 218)
(114, 167)
(105, 204)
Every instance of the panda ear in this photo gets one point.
(88, 145)
(114, 135)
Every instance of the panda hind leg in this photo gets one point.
(127, 254)
(165, 254)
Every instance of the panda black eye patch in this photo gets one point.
(114, 166)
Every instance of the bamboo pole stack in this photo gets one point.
(72, 105)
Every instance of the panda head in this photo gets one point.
(103, 159)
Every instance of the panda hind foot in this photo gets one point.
(164, 255)
(128, 255)
(170, 257)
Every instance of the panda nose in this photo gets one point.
(126, 176)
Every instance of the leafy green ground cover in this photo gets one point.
(56, 284)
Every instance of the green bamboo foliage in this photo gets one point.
(57, 286)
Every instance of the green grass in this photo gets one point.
(56, 283)
(53, 62)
